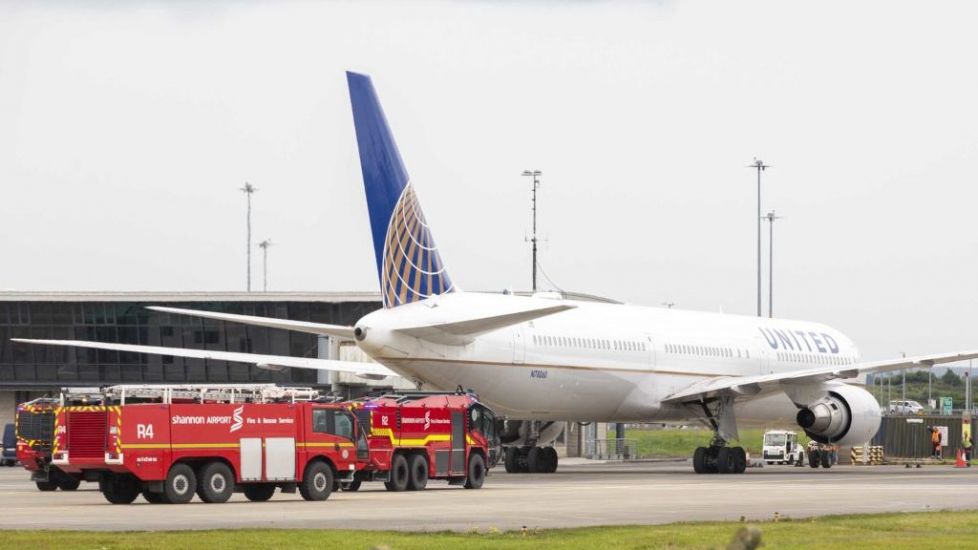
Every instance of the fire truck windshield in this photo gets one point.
(483, 421)
(333, 421)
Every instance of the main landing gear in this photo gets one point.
(718, 458)
(534, 460)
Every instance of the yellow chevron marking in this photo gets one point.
(341, 444)
(408, 442)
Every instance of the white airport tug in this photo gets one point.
(782, 447)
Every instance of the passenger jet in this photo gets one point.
(546, 358)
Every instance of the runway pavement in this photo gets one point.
(578, 495)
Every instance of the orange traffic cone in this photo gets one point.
(959, 462)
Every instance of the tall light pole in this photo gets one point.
(903, 374)
(249, 190)
(264, 263)
(760, 167)
(535, 174)
(770, 262)
(969, 402)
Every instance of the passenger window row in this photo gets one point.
(790, 357)
(589, 343)
(707, 351)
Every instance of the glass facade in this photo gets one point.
(32, 366)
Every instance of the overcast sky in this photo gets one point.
(126, 129)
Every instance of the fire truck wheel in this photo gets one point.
(476, 471)
(180, 484)
(260, 492)
(67, 483)
(119, 489)
(154, 498)
(46, 485)
(352, 486)
(317, 483)
(216, 483)
(399, 474)
(550, 459)
(418, 478)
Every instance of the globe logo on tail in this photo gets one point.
(413, 270)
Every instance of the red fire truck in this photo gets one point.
(416, 436)
(214, 441)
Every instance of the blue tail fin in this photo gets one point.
(408, 263)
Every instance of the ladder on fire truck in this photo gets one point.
(214, 393)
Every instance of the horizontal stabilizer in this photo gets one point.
(452, 321)
(322, 329)
(271, 362)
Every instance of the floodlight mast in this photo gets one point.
(535, 174)
(770, 217)
(249, 190)
(760, 167)
(264, 262)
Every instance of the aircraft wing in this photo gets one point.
(339, 331)
(271, 362)
(751, 386)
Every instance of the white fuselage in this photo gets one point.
(600, 361)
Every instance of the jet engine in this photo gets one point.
(847, 415)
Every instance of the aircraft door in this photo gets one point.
(519, 346)
(650, 343)
(763, 357)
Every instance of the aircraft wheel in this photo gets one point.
(740, 460)
(535, 462)
(826, 458)
(550, 459)
(725, 460)
(813, 458)
(512, 461)
(699, 460)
